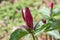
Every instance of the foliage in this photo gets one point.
(12, 12)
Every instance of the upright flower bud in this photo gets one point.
(27, 17)
(51, 5)
(44, 21)
(51, 8)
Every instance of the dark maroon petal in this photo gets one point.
(44, 21)
(29, 18)
(51, 5)
(23, 13)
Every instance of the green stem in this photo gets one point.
(51, 12)
(33, 36)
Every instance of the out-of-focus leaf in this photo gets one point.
(45, 12)
(54, 26)
(18, 34)
(57, 17)
(42, 28)
(54, 33)
(56, 11)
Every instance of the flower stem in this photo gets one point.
(33, 36)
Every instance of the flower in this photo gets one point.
(44, 21)
(51, 5)
(27, 17)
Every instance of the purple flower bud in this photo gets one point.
(27, 17)
(51, 5)
(44, 21)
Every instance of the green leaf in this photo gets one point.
(57, 17)
(45, 12)
(54, 33)
(55, 14)
(44, 26)
(55, 26)
(17, 34)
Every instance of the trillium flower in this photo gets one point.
(51, 5)
(26, 14)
